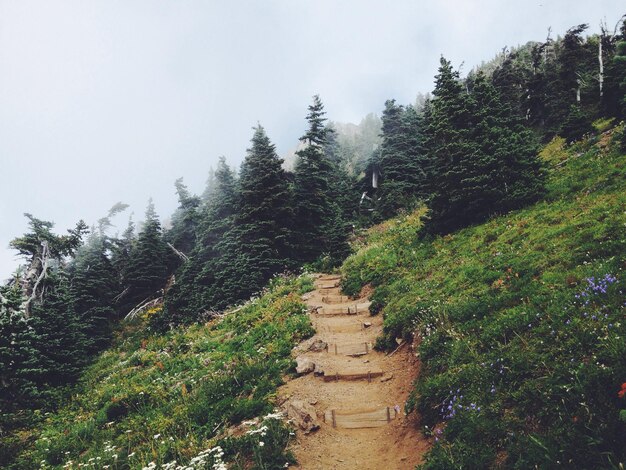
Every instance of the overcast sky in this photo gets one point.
(106, 101)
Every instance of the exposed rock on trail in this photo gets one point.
(356, 394)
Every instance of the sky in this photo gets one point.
(106, 101)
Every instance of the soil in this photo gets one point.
(392, 445)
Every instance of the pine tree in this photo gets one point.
(450, 150)
(194, 292)
(260, 241)
(264, 216)
(509, 171)
(94, 287)
(402, 160)
(614, 97)
(482, 160)
(148, 263)
(182, 234)
(121, 248)
(20, 366)
(341, 183)
(62, 346)
(320, 228)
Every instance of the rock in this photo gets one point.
(318, 346)
(367, 324)
(303, 415)
(304, 365)
(313, 344)
(387, 378)
(313, 402)
(318, 370)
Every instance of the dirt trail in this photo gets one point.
(382, 439)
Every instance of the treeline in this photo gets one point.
(467, 153)
(59, 310)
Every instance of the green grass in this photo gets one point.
(530, 372)
(179, 396)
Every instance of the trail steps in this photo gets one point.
(358, 393)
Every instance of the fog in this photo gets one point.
(106, 101)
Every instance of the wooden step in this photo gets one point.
(355, 327)
(330, 291)
(335, 376)
(335, 299)
(354, 349)
(360, 418)
(329, 277)
(354, 309)
(328, 285)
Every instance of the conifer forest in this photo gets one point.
(484, 224)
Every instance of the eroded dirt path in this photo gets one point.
(368, 433)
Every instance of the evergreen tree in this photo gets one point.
(320, 228)
(20, 366)
(508, 174)
(450, 150)
(148, 262)
(482, 160)
(259, 243)
(182, 234)
(402, 160)
(614, 97)
(264, 216)
(94, 287)
(341, 183)
(61, 342)
(120, 254)
(42, 249)
(194, 291)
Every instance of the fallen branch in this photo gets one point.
(142, 306)
(396, 350)
(118, 297)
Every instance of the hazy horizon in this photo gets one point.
(113, 101)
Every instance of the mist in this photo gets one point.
(112, 101)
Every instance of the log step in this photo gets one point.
(355, 349)
(360, 419)
(345, 310)
(330, 277)
(335, 376)
(352, 328)
(335, 299)
(328, 285)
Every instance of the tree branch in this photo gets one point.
(179, 253)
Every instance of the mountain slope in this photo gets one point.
(519, 321)
(151, 400)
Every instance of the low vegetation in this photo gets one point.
(178, 400)
(519, 322)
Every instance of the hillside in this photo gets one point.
(151, 400)
(519, 322)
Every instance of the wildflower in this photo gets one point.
(622, 392)
(261, 443)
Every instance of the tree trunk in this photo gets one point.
(36, 273)
(601, 71)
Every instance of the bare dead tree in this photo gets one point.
(178, 253)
